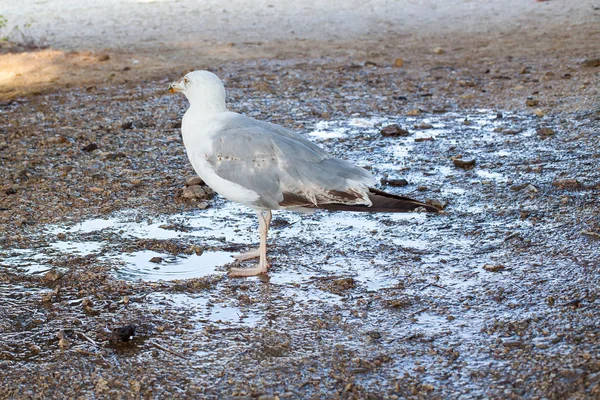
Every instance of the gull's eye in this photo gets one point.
(186, 80)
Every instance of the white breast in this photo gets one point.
(197, 138)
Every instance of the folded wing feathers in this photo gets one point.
(289, 171)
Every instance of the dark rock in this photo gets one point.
(127, 125)
(394, 182)
(394, 130)
(90, 147)
(156, 260)
(103, 57)
(122, 334)
(10, 191)
(532, 102)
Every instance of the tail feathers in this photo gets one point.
(382, 202)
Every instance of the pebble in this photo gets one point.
(398, 62)
(344, 283)
(127, 125)
(394, 182)
(90, 147)
(566, 184)
(195, 193)
(545, 132)
(591, 63)
(532, 102)
(156, 260)
(394, 130)
(374, 335)
(438, 50)
(122, 334)
(195, 181)
(538, 113)
(53, 275)
(493, 267)
(10, 191)
(463, 164)
(414, 112)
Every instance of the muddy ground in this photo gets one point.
(495, 297)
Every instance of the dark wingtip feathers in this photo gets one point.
(383, 202)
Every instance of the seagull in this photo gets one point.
(268, 167)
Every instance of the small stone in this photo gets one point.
(414, 112)
(532, 102)
(518, 187)
(344, 283)
(591, 63)
(374, 335)
(86, 302)
(114, 156)
(422, 188)
(122, 334)
(493, 267)
(398, 62)
(34, 349)
(545, 132)
(573, 374)
(90, 147)
(156, 260)
(195, 181)
(510, 132)
(136, 182)
(53, 275)
(64, 343)
(10, 191)
(566, 184)
(394, 182)
(423, 125)
(127, 125)
(463, 164)
(538, 113)
(427, 387)
(394, 130)
(103, 57)
(424, 139)
(438, 50)
(195, 193)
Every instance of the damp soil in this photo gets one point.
(113, 262)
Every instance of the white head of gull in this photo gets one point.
(268, 167)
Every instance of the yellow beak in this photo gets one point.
(176, 87)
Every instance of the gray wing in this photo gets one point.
(284, 168)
